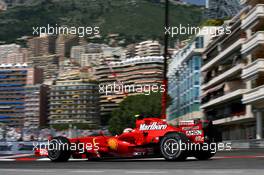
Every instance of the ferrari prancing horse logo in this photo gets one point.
(112, 144)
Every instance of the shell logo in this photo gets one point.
(112, 144)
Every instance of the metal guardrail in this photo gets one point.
(246, 144)
(11, 148)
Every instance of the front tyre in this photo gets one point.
(170, 147)
(59, 149)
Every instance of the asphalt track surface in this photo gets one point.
(239, 162)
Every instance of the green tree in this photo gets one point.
(123, 117)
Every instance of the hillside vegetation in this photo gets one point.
(133, 19)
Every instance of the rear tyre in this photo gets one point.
(170, 147)
(59, 149)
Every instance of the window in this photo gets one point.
(197, 62)
(199, 42)
(197, 78)
(196, 93)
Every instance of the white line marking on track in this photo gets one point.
(87, 171)
(260, 156)
(27, 170)
(146, 172)
(16, 156)
(7, 160)
(47, 159)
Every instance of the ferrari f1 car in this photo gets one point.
(152, 137)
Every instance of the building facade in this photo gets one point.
(13, 82)
(48, 63)
(91, 55)
(74, 100)
(220, 9)
(232, 77)
(42, 45)
(36, 106)
(252, 74)
(64, 43)
(13, 54)
(91, 59)
(76, 53)
(185, 80)
(148, 48)
(137, 71)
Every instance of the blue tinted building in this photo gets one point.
(13, 80)
(185, 80)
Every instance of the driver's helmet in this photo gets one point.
(127, 130)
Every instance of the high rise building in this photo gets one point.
(130, 51)
(13, 54)
(42, 45)
(232, 73)
(64, 43)
(220, 9)
(134, 72)
(148, 48)
(252, 74)
(91, 55)
(15, 58)
(184, 80)
(76, 53)
(13, 82)
(49, 64)
(36, 106)
(91, 59)
(74, 100)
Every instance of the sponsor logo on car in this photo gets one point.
(199, 139)
(153, 126)
(194, 132)
(186, 123)
(113, 144)
(190, 128)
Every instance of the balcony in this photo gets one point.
(256, 40)
(224, 98)
(211, 63)
(254, 95)
(251, 2)
(232, 119)
(253, 15)
(223, 76)
(253, 69)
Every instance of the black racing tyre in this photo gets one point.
(203, 155)
(170, 147)
(59, 149)
(95, 159)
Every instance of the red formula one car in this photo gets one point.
(152, 137)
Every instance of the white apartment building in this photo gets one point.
(76, 52)
(91, 59)
(94, 54)
(232, 89)
(12, 53)
(253, 52)
(133, 72)
(148, 48)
